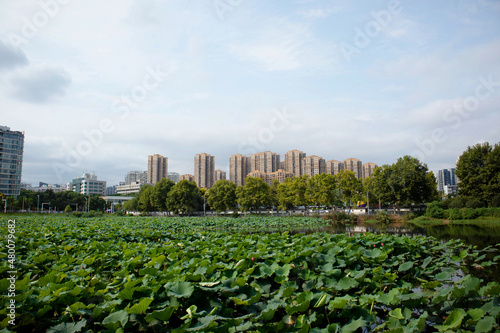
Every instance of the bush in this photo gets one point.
(469, 213)
(68, 209)
(435, 210)
(474, 203)
(383, 217)
(454, 214)
(341, 217)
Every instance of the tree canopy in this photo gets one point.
(478, 172)
(222, 196)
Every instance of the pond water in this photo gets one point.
(470, 234)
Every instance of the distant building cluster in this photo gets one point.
(265, 165)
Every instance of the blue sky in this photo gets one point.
(99, 85)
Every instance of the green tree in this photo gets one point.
(132, 205)
(273, 193)
(478, 172)
(254, 194)
(322, 190)
(146, 198)
(68, 209)
(405, 182)
(160, 193)
(350, 186)
(222, 196)
(184, 197)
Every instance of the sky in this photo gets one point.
(97, 86)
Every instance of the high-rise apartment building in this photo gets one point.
(313, 165)
(204, 170)
(446, 177)
(333, 167)
(11, 161)
(293, 162)
(238, 169)
(219, 174)
(368, 169)
(265, 162)
(355, 165)
(136, 176)
(157, 168)
(88, 184)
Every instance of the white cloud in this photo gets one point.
(283, 46)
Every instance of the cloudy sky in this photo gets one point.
(98, 86)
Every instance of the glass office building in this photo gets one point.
(11, 161)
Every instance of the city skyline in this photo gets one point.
(97, 86)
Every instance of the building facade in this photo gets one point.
(333, 167)
(279, 175)
(238, 169)
(157, 168)
(188, 177)
(88, 184)
(368, 169)
(293, 162)
(446, 177)
(265, 162)
(134, 187)
(204, 170)
(219, 174)
(313, 165)
(354, 165)
(173, 176)
(136, 176)
(11, 161)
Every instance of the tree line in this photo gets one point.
(408, 181)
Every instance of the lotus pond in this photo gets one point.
(202, 274)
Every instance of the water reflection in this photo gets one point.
(470, 234)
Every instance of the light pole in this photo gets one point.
(38, 205)
(23, 204)
(5, 207)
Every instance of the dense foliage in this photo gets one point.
(478, 172)
(181, 275)
(408, 181)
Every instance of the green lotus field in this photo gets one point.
(140, 274)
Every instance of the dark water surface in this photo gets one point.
(470, 234)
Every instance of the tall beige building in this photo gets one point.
(293, 162)
(333, 167)
(265, 162)
(355, 165)
(157, 168)
(204, 170)
(368, 169)
(219, 174)
(313, 165)
(238, 169)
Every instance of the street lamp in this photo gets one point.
(23, 203)
(5, 208)
(38, 205)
